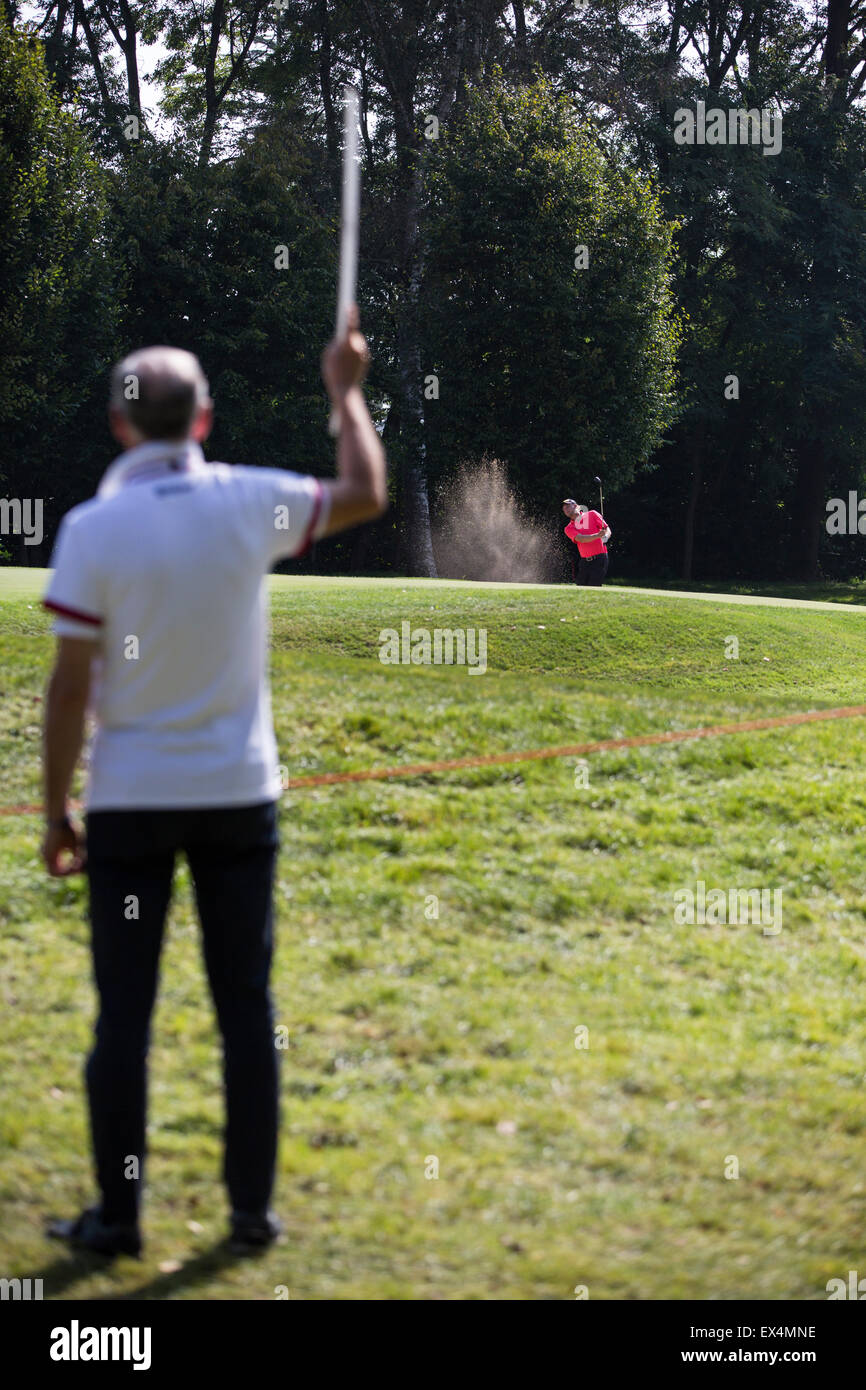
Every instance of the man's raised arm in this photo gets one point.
(360, 492)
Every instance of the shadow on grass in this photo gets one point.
(61, 1274)
(200, 1269)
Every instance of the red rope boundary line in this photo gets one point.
(575, 750)
(380, 774)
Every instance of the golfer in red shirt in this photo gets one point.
(589, 531)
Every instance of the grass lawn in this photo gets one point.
(851, 592)
(441, 939)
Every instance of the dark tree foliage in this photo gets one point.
(708, 360)
(548, 299)
(59, 281)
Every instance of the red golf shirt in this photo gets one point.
(586, 523)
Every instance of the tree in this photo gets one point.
(59, 282)
(549, 310)
(423, 56)
(770, 276)
(236, 264)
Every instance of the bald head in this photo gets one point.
(159, 391)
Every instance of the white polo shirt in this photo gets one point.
(165, 570)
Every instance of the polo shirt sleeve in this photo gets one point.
(75, 592)
(294, 512)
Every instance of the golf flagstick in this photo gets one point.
(350, 216)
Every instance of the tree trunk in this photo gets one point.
(214, 95)
(835, 47)
(520, 49)
(418, 545)
(365, 108)
(395, 53)
(331, 140)
(694, 497)
(129, 45)
(59, 53)
(109, 108)
(210, 96)
(810, 505)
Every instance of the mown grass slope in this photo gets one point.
(441, 939)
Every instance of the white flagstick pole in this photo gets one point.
(350, 214)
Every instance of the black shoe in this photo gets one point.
(253, 1231)
(90, 1232)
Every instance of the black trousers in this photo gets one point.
(130, 864)
(592, 570)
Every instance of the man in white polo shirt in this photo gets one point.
(159, 598)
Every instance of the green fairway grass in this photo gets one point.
(851, 592)
(440, 940)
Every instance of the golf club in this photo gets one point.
(600, 497)
(349, 220)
